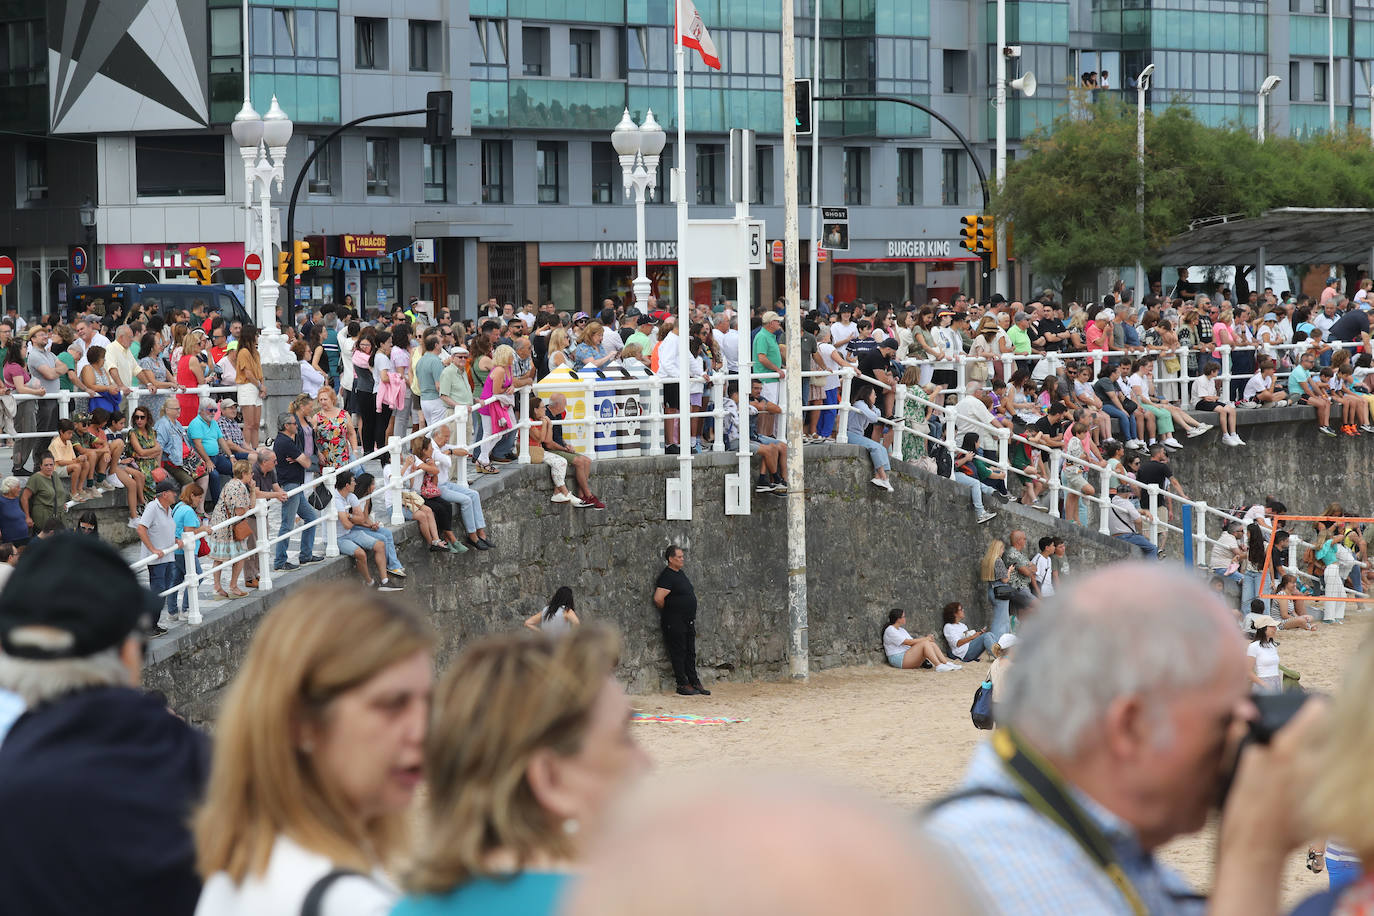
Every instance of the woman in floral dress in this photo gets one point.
(913, 414)
(235, 500)
(146, 451)
(335, 440)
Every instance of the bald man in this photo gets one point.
(762, 846)
(1129, 695)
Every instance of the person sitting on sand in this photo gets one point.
(905, 651)
(965, 644)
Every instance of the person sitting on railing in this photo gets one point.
(1206, 399)
(972, 414)
(186, 516)
(1123, 523)
(971, 471)
(348, 542)
(366, 530)
(76, 469)
(1354, 406)
(863, 415)
(1077, 446)
(468, 500)
(557, 412)
(421, 476)
(1085, 398)
(1260, 390)
(1166, 415)
(1304, 389)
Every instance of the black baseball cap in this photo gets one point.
(887, 343)
(79, 585)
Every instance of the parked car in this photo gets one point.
(217, 298)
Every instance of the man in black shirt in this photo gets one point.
(1155, 470)
(677, 602)
(1050, 334)
(1351, 327)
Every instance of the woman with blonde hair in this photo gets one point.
(497, 420)
(560, 349)
(530, 742)
(190, 374)
(993, 573)
(318, 751)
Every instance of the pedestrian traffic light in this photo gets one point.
(968, 232)
(803, 112)
(987, 237)
(301, 257)
(198, 260)
(283, 267)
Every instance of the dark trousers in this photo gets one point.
(26, 421)
(221, 469)
(372, 423)
(680, 638)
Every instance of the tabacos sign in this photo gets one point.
(363, 246)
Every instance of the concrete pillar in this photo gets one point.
(283, 382)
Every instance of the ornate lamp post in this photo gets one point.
(639, 147)
(262, 144)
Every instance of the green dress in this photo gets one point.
(147, 440)
(913, 446)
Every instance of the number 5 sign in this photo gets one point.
(758, 248)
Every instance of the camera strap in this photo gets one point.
(1042, 789)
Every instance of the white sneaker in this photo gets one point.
(1199, 430)
(1247, 405)
(1226, 439)
(133, 523)
(577, 502)
(115, 482)
(1236, 439)
(986, 517)
(561, 498)
(881, 484)
(944, 667)
(1171, 442)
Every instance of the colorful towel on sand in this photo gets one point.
(687, 719)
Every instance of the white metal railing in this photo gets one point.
(65, 400)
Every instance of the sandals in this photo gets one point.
(1315, 862)
(221, 594)
(238, 593)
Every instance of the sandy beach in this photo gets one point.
(905, 736)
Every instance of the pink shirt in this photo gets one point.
(1096, 334)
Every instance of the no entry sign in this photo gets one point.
(252, 266)
(6, 270)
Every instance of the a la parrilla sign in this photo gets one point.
(628, 251)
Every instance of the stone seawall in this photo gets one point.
(867, 551)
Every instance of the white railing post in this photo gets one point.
(524, 424)
(949, 417)
(960, 375)
(900, 412)
(263, 549)
(397, 482)
(1152, 489)
(64, 404)
(191, 586)
(1183, 377)
(461, 418)
(846, 389)
(1225, 370)
(1103, 524)
(132, 404)
(718, 408)
(1292, 553)
(589, 423)
(331, 522)
(656, 425)
(1007, 371)
(1200, 533)
(1056, 466)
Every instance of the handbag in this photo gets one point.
(1002, 591)
(1129, 405)
(981, 710)
(411, 500)
(203, 547)
(319, 498)
(243, 529)
(1290, 678)
(536, 454)
(429, 487)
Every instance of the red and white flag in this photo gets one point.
(693, 34)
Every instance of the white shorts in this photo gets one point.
(248, 396)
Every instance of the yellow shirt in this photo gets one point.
(61, 451)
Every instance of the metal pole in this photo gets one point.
(1331, 65)
(1259, 130)
(816, 157)
(1141, 87)
(798, 650)
(1001, 279)
(684, 313)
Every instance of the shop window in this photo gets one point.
(710, 162)
(183, 166)
(369, 43)
(36, 170)
(582, 53)
(495, 161)
(379, 167)
(320, 180)
(436, 174)
(605, 173)
(951, 177)
(909, 164)
(534, 42)
(763, 175)
(856, 181)
(426, 46)
(548, 164)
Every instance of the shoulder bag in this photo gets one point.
(243, 529)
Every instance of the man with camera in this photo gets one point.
(1121, 722)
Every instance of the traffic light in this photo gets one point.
(803, 112)
(199, 264)
(283, 267)
(438, 116)
(987, 237)
(300, 258)
(968, 232)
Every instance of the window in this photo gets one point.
(710, 157)
(804, 176)
(23, 53)
(909, 177)
(763, 175)
(369, 43)
(856, 174)
(535, 50)
(426, 46)
(951, 177)
(582, 53)
(1319, 6)
(1320, 73)
(605, 172)
(548, 165)
(321, 177)
(956, 71)
(378, 167)
(436, 174)
(185, 166)
(36, 170)
(1295, 6)
(1294, 75)
(493, 172)
(665, 176)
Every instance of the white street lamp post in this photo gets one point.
(639, 146)
(262, 144)
(1142, 86)
(1270, 84)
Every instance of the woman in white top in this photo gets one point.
(311, 378)
(558, 616)
(1265, 675)
(965, 644)
(1206, 398)
(906, 651)
(318, 752)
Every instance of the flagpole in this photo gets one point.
(684, 432)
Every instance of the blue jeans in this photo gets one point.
(294, 506)
(505, 446)
(975, 648)
(365, 538)
(1127, 422)
(1249, 589)
(881, 460)
(468, 501)
(160, 578)
(1140, 541)
(1001, 616)
(175, 606)
(825, 425)
(975, 487)
(221, 469)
